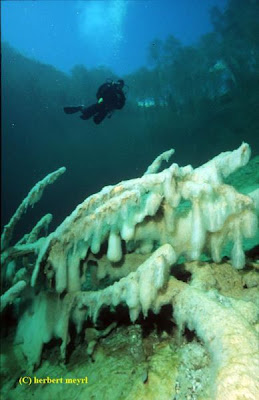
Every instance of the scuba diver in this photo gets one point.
(110, 97)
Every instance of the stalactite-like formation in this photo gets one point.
(131, 236)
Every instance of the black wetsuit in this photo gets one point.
(110, 97)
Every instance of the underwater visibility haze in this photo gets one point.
(134, 275)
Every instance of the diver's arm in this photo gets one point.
(121, 101)
(102, 89)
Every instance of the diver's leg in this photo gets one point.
(88, 112)
(98, 118)
(73, 109)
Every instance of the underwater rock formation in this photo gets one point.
(122, 244)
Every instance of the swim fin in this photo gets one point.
(72, 110)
